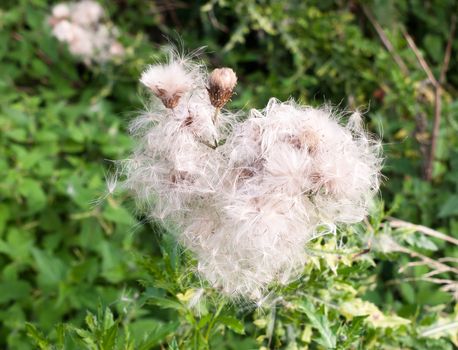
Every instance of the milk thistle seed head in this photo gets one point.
(221, 84)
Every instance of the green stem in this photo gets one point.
(213, 321)
(208, 144)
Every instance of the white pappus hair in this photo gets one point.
(247, 198)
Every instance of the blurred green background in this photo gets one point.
(66, 247)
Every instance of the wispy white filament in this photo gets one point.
(247, 208)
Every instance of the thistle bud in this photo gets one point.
(221, 83)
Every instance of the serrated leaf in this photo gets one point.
(109, 338)
(375, 318)
(108, 319)
(38, 337)
(173, 345)
(204, 320)
(165, 303)
(91, 321)
(118, 215)
(86, 337)
(319, 322)
(152, 332)
(232, 323)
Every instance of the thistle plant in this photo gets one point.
(247, 196)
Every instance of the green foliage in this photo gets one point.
(102, 332)
(60, 253)
(80, 268)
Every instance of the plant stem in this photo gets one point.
(213, 321)
(397, 223)
(215, 115)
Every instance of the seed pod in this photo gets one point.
(221, 84)
(169, 82)
(167, 100)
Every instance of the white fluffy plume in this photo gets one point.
(169, 81)
(80, 25)
(248, 198)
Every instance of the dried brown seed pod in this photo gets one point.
(167, 100)
(221, 84)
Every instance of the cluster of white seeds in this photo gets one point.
(81, 25)
(247, 196)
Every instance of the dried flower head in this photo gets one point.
(289, 172)
(61, 11)
(87, 12)
(247, 208)
(80, 26)
(169, 81)
(221, 84)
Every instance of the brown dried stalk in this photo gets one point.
(436, 266)
(384, 39)
(424, 65)
(437, 84)
(397, 223)
(438, 99)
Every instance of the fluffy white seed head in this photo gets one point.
(87, 13)
(169, 81)
(290, 170)
(61, 11)
(306, 151)
(247, 208)
(66, 31)
(80, 26)
(174, 164)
